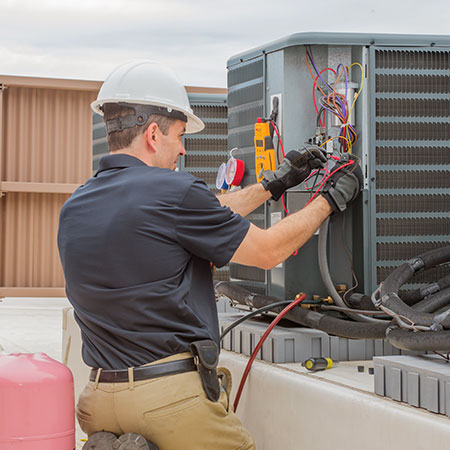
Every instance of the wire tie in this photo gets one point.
(430, 289)
(391, 328)
(436, 327)
(438, 319)
(416, 264)
(249, 299)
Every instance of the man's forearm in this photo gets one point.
(246, 200)
(267, 248)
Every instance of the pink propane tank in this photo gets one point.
(36, 403)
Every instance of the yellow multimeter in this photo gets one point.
(264, 151)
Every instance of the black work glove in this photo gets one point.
(343, 186)
(295, 167)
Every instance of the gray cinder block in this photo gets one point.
(296, 344)
(419, 380)
(379, 379)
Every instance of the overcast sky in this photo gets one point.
(86, 39)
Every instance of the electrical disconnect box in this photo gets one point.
(395, 91)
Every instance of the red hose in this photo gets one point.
(260, 343)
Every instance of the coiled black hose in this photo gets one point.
(420, 341)
(404, 272)
(413, 297)
(433, 302)
(389, 289)
(422, 299)
(437, 337)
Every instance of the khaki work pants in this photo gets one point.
(173, 412)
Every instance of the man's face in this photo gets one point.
(171, 145)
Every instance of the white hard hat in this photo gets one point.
(146, 82)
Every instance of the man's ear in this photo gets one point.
(151, 136)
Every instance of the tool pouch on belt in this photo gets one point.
(206, 356)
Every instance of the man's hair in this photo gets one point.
(118, 140)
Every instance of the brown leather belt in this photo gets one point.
(145, 372)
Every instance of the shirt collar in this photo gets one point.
(118, 161)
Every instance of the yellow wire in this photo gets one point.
(354, 99)
(361, 87)
(350, 147)
(348, 138)
(336, 137)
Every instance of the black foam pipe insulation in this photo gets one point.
(306, 317)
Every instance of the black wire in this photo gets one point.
(314, 192)
(252, 314)
(318, 116)
(275, 125)
(278, 143)
(314, 184)
(350, 259)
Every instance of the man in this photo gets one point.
(136, 244)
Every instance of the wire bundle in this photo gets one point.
(333, 101)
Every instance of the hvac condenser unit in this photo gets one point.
(401, 115)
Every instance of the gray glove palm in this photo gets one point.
(343, 186)
(295, 167)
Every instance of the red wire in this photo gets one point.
(314, 99)
(309, 188)
(323, 182)
(284, 205)
(320, 187)
(309, 177)
(313, 173)
(260, 343)
(279, 139)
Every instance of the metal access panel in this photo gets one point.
(386, 225)
(254, 79)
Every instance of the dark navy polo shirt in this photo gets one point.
(135, 244)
